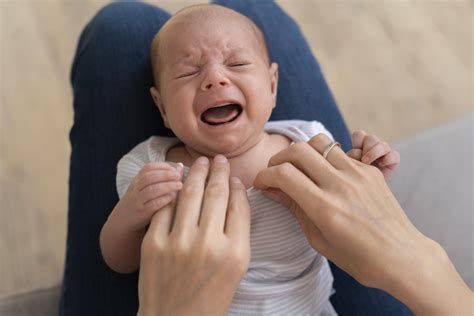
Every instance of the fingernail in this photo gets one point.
(235, 180)
(220, 159)
(202, 160)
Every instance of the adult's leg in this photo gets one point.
(304, 94)
(113, 111)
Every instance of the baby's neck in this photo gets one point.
(245, 165)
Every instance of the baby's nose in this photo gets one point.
(214, 79)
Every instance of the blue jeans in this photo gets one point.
(113, 111)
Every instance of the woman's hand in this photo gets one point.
(350, 216)
(193, 257)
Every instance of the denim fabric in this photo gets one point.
(113, 111)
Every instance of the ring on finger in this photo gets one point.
(329, 147)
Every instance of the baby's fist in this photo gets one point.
(369, 149)
(155, 185)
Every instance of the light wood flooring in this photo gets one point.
(396, 68)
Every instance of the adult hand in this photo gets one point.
(350, 216)
(193, 257)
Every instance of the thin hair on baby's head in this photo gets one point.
(199, 12)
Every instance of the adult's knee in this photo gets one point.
(124, 27)
(118, 17)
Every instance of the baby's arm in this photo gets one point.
(152, 188)
(369, 149)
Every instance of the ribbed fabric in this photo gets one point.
(286, 276)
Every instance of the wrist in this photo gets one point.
(430, 284)
(124, 220)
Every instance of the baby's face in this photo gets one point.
(216, 87)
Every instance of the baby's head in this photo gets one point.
(214, 84)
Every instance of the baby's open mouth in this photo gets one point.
(221, 114)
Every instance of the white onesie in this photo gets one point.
(286, 276)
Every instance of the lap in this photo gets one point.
(113, 111)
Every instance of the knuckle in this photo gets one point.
(284, 170)
(220, 167)
(237, 206)
(240, 259)
(297, 149)
(348, 189)
(335, 221)
(152, 245)
(318, 140)
(210, 253)
(188, 190)
(215, 189)
(179, 247)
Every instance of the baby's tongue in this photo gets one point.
(220, 114)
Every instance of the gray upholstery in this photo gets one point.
(434, 184)
(38, 303)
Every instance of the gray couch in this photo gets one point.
(434, 184)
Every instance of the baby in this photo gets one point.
(215, 89)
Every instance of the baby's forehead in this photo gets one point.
(222, 23)
(229, 36)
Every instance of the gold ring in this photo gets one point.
(329, 148)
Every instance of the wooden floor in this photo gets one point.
(395, 67)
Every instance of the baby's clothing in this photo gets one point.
(286, 276)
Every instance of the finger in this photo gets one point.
(355, 153)
(377, 151)
(216, 196)
(237, 225)
(154, 205)
(295, 184)
(157, 165)
(158, 189)
(150, 167)
(305, 158)
(156, 176)
(390, 159)
(160, 225)
(190, 197)
(336, 156)
(369, 142)
(358, 139)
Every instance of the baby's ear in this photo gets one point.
(274, 81)
(157, 99)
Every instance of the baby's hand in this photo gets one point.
(369, 149)
(153, 187)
